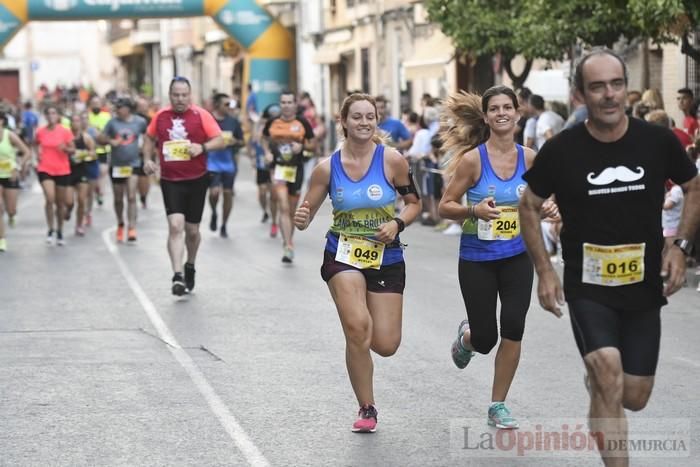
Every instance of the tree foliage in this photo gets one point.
(548, 29)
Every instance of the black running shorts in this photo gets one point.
(387, 279)
(9, 184)
(185, 197)
(59, 180)
(636, 334)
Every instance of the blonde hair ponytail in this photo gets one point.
(462, 126)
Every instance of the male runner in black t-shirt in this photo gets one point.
(608, 175)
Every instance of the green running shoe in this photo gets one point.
(500, 417)
(460, 355)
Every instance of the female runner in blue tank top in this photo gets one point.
(363, 259)
(493, 262)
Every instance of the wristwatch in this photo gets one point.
(685, 246)
(400, 223)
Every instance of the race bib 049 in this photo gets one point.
(176, 150)
(359, 252)
(613, 265)
(507, 227)
(285, 173)
(122, 172)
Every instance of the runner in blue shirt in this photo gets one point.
(222, 164)
(397, 131)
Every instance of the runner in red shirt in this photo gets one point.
(685, 104)
(182, 134)
(54, 144)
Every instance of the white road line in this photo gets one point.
(217, 406)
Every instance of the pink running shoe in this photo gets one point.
(273, 230)
(80, 231)
(367, 421)
(88, 220)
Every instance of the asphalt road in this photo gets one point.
(100, 365)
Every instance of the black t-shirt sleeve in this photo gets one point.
(540, 178)
(266, 130)
(679, 167)
(308, 131)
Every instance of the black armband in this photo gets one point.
(400, 223)
(409, 189)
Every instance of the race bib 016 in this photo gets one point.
(507, 227)
(359, 252)
(613, 265)
(122, 172)
(176, 150)
(284, 173)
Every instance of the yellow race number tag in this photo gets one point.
(507, 227)
(285, 173)
(613, 265)
(122, 172)
(81, 155)
(7, 165)
(227, 137)
(359, 252)
(176, 150)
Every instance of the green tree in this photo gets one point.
(547, 29)
(668, 21)
(482, 27)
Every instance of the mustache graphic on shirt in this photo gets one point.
(612, 174)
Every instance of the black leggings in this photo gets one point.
(481, 283)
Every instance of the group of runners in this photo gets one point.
(604, 178)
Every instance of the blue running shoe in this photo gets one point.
(460, 355)
(500, 417)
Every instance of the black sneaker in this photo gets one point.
(189, 276)
(178, 284)
(212, 224)
(59, 238)
(265, 217)
(223, 232)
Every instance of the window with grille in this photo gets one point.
(692, 68)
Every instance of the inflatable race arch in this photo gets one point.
(269, 46)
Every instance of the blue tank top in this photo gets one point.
(360, 207)
(506, 193)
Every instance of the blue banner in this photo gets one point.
(105, 9)
(269, 78)
(243, 19)
(9, 24)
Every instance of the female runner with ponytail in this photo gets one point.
(363, 259)
(488, 167)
